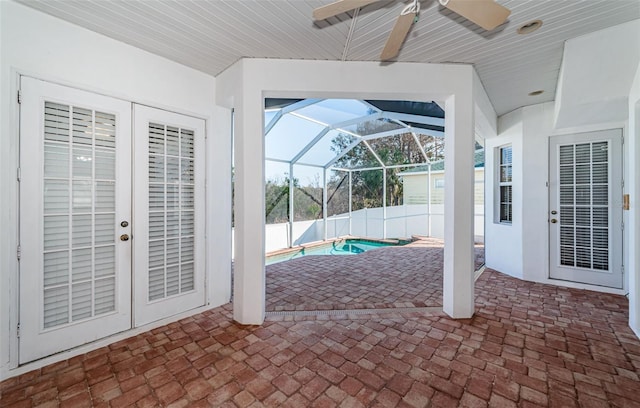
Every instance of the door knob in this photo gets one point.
(553, 220)
(124, 237)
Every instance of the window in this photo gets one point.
(505, 185)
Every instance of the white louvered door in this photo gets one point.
(585, 208)
(169, 213)
(75, 272)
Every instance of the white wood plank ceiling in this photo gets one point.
(211, 35)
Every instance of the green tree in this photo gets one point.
(393, 150)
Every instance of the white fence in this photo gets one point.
(400, 222)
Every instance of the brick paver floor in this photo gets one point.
(405, 276)
(528, 345)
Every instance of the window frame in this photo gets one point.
(500, 198)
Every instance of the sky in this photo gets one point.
(292, 133)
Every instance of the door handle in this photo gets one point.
(553, 220)
(124, 237)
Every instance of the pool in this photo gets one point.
(339, 247)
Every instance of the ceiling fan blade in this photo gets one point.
(397, 36)
(486, 13)
(339, 7)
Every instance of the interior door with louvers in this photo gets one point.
(585, 218)
(169, 213)
(75, 186)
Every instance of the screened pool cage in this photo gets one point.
(334, 167)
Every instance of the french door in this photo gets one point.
(75, 190)
(585, 220)
(169, 213)
(110, 237)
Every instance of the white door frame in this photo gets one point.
(146, 310)
(36, 342)
(613, 277)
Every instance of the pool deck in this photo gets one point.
(389, 277)
(528, 345)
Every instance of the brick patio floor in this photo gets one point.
(404, 276)
(528, 345)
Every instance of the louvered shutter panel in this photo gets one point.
(79, 214)
(171, 211)
(584, 205)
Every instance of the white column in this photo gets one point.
(384, 203)
(291, 209)
(350, 201)
(249, 276)
(429, 201)
(324, 203)
(219, 164)
(458, 294)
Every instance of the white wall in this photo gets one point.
(42, 46)
(403, 221)
(503, 242)
(596, 75)
(633, 221)
(522, 249)
(536, 122)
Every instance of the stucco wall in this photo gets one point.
(522, 248)
(633, 182)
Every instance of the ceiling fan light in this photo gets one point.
(528, 28)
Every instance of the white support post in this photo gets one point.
(458, 290)
(324, 203)
(429, 200)
(291, 209)
(350, 201)
(249, 281)
(384, 203)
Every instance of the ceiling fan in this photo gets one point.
(486, 13)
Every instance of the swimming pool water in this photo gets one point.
(344, 247)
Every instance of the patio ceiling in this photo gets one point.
(212, 35)
(304, 131)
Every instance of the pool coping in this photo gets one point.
(315, 244)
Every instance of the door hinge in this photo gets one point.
(19, 174)
(19, 252)
(19, 96)
(622, 225)
(18, 330)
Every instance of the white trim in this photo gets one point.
(34, 340)
(12, 160)
(146, 310)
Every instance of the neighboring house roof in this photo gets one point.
(439, 165)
